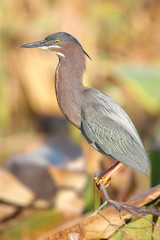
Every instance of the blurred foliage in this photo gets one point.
(143, 81)
(155, 176)
(114, 30)
(31, 226)
(88, 195)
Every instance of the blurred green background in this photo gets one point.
(123, 39)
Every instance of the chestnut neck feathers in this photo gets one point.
(68, 82)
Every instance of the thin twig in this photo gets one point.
(126, 206)
(133, 210)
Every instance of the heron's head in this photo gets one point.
(61, 43)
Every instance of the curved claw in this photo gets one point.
(106, 182)
(106, 175)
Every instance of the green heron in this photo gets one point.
(103, 123)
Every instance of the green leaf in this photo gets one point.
(139, 229)
(143, 81)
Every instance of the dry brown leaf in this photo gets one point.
(76, 232)
(96, 226)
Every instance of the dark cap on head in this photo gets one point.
(65, 37)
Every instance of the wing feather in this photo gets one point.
(105, 130)
(111, 109)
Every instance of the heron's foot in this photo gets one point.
(105, 176)
(99, 179)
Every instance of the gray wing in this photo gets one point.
(109, 130)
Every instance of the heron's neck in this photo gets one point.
(69, 87)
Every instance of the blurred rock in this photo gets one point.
(53, 173)
(41, 204)
(55, 163)
(6, 211)
(68, 179)
(69, 203)
(13, 191)
(35, 177)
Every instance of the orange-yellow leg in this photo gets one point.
(106, 175)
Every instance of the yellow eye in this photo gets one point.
(56, 41)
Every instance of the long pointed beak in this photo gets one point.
(44, 44)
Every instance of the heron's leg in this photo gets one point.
(102, 181)
(106, 175)
(107, 201)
